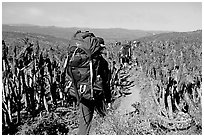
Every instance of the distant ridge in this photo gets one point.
(195, 36)
(109, 34)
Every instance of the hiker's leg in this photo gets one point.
(101, 106)
(86, 115)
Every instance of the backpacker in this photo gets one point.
(125, 54)
(126, 50)
(82, 66)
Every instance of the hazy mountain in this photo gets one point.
(111, 34)
(195, 36)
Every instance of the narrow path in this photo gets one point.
(125, 106)
(127, 101)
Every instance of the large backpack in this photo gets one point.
(82, 66)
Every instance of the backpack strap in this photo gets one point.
(90, 68)
(74, 53)
(129, 52)
(65, 62)
(91, 75)
(73, 81)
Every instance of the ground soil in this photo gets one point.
(127, 101)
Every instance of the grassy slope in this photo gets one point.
(115, 123)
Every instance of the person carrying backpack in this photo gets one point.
(88, 71)
(125, 54)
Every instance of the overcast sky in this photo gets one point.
(172, 16)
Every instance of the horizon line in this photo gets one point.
(24, 24)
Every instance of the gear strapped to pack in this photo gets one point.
(82, 65)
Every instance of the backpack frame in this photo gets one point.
(82, 61)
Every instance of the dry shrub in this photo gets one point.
(53, 123)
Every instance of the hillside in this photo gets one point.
(191, 35)
(111, 34)
(167, 73)
(158, 93)
(44, 41)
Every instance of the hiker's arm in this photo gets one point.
(106, 80)
(108, 91)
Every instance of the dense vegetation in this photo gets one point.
(173, 64)
(34, 82)
(167, 68)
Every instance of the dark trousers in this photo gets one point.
(86, 114)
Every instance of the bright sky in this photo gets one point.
(172, 16)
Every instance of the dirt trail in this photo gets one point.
(127, 101)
